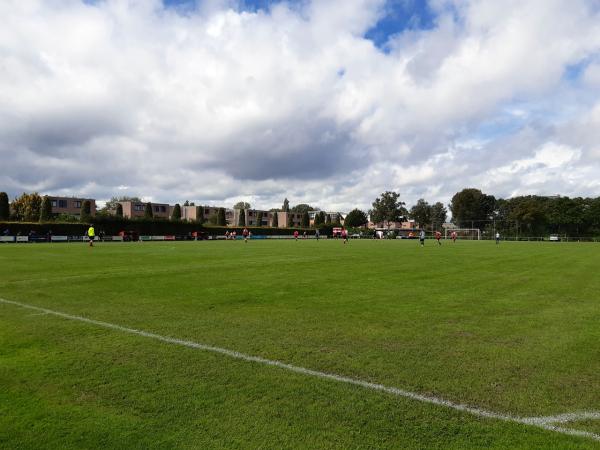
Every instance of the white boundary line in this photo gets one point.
(539, 422)
(567, 417)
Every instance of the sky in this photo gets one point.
(326, 102)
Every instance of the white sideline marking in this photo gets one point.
(568, 417)
(539, 422)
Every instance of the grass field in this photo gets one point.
(512, 329)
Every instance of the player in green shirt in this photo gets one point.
(91, 233)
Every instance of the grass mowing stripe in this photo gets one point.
(534, 421)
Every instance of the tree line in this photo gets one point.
(530, 215)
(471, 208)
(35, 208)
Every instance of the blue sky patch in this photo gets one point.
(573, 72)
(242, 5)
(401, 15)
(398, 16)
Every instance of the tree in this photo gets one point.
(327, 219)
(111, 205)
(259, 219)
(438, 215)
(319, 219)
(528, 214)
(275, 223)
(242, 205)
(564, 214)
(242, 219)
(200, 214)
(119, 210)
(471, 207)
(302, 208)
(421, 213)
(213, 219)
(305, 220)
(356, 218)
(188, 203)
(4, 206)
(388, 208)
(46, 209)
(148, 214)
(86, 211)
(592, 216)
(286, 205)
(221, 219)
(27, 207)
(176, 215)
(338, 219)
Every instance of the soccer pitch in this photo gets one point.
(284, 344)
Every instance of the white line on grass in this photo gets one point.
(539, 422)
(565, 418)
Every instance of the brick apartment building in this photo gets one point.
(70, 205)
(407, 225)
(284, 219)
(232, 216)
(138, 209)
(332, 216)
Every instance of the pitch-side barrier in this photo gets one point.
(67, 239)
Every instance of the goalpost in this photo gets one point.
(463, 233)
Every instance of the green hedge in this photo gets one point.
(156, 227)
(106, 225)
(57, 228)
(256, 231)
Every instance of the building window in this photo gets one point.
(62, 203)
(53, 203)
(163, 209)
(77, 204)
(139, 208)
(206, 212)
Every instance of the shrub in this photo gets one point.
(305, 219)
(176, 212)
(46, 209)
(221, 219)
(4, 206)
(27, 207)
(86, 212)
(148, 214)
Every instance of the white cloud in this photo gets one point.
(592, 75)
(218, 104)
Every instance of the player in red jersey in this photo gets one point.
(438, 236)
(453, 235)
(245, 233)
(345, 235)
(296, 234)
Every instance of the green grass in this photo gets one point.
(512, 328)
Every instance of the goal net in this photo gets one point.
(464, 233)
